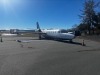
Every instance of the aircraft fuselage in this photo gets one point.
(58, 34)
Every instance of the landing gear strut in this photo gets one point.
(70, 41)
(40, 37)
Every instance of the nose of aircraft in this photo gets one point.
(73, 36)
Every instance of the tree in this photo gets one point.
(82, 27)
(98, 16)
(87, 14)
(96, 19)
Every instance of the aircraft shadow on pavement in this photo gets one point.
(76, 43)
(63, 41)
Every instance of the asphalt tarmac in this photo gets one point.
(48, 57)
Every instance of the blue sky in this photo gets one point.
(23, 14)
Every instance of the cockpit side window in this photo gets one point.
(63, 31)
(59, 31)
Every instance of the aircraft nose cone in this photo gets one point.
(73, 36)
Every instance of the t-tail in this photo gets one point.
(38, 27)
(39, 30)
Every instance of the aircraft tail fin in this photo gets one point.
(38, 27)
(39, 30)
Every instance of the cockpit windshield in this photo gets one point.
(63, 31)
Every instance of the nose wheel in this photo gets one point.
(39, 36)
(71, 41)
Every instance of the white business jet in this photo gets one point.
(57, 34)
